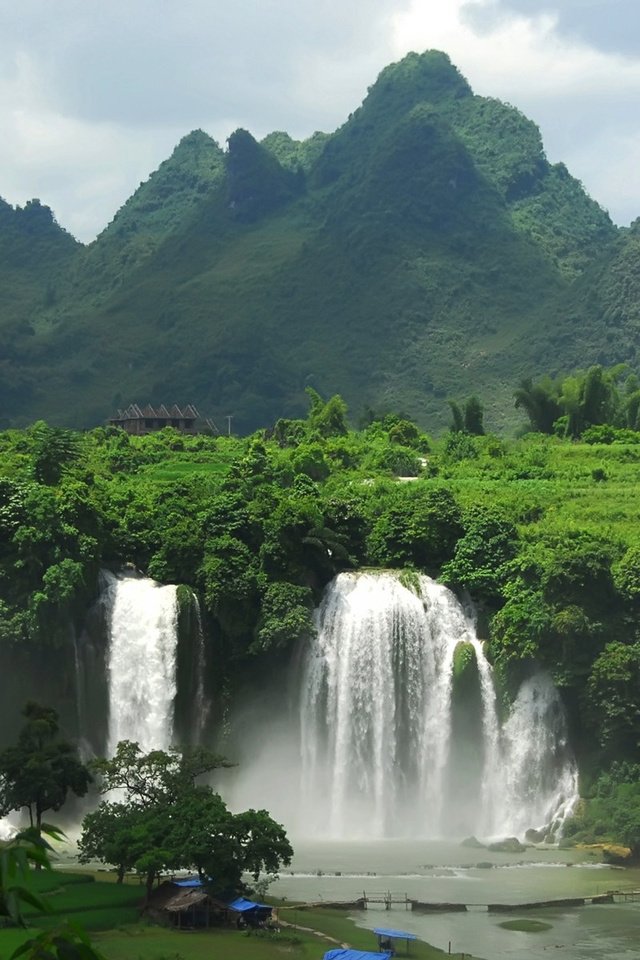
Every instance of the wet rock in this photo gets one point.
(535, 836)
(508, 845)
(474, 843)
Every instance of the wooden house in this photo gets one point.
(142, 420)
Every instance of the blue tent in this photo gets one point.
(242, 905)
(250, 914)
(343, 954)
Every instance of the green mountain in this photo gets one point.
(426, 249)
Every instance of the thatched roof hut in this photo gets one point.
(186, 904)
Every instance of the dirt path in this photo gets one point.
(316, 933)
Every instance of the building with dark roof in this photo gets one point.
(141, 420)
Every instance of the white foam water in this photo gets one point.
(377, 720)
(142, 621)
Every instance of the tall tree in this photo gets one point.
(457, 419)
(473, 417)
(168, 821)
(53, 450)
(540, 402)
(40, 771)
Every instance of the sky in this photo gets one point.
(94, 94)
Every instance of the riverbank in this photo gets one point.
(110, 913)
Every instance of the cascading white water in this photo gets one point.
(141, 660)
(378, 715)
(201, 705)
(540, 775)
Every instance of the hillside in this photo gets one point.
(426, 249)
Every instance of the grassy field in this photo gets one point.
(554, 486)
(111, 913)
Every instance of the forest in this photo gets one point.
(540, 531)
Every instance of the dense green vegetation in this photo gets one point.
(424, 250)
(542, 531)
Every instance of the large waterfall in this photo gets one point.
(397, 740)
(141, 661)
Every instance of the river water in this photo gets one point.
(440, 871)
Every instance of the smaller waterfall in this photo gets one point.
(141, 660)
(539, 775)
(201, 705)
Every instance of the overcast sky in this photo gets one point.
(94, 94)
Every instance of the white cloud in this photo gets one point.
(94, 95)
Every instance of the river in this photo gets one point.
(440, 871)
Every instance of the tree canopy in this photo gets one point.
(168, 820)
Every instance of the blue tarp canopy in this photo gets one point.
(242, 905)
(342, 954)
(394, 934)
(191, 882)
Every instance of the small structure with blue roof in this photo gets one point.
(386, 937)
(249, 912)
(342, 953)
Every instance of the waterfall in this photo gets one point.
(540, 773)
(141, 660)
(379, 718)
(201, 705)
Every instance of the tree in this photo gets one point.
(41, 769)
(328, 418)
(540, 403)
(457, 419)
(169, 821)
(626, 574)
(157, 776)
(614, 696)
(481, 557)
(418, 527)
(473, 417)
(53, 450)
(112, 833)
(285, 616)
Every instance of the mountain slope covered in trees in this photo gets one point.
(425, 250)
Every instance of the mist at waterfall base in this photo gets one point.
(377, 738)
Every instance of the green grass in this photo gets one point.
(95, 905)
(109, 913)
(55, 881)
(550, 484)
